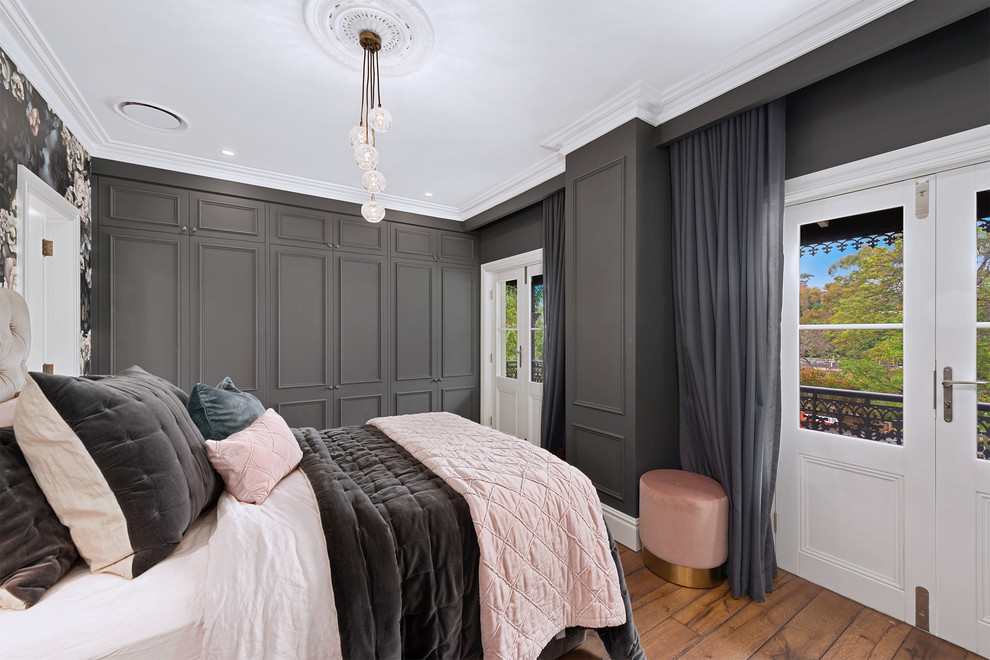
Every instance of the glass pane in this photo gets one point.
(852, 383)
(983, 314)
(852, 269)
(511, 354)
(536, 331)
(983, 393)
(983, 256)
(508, 340)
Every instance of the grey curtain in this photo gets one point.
(728, 203)
(552, 422)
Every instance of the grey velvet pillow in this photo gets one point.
(222, 411)
(119, 461)
(35, 548)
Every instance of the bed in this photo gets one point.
(413, 536)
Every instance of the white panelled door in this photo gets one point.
(510, 391)
(512, 345)
(880, 497)
(962, 463)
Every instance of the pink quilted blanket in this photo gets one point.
(545, 559)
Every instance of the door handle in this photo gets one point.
(947, 384)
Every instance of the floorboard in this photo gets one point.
(799, 620)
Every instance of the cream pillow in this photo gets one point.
(7, 409)
(253, 461)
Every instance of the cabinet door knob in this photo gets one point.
(184, 228)
(194, 230)
(330, 245)
(439, 380)
(329, 387)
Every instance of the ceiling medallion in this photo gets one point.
(405, 31)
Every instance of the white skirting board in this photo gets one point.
(625, 528)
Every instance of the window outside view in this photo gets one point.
(851, 334)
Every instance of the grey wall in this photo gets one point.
(621, 376)
(517, 233)
(899, 27)
(929, 88)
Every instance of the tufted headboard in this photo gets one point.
(15, 343)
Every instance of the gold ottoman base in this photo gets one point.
(696, 578)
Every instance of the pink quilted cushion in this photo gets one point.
(254, 460)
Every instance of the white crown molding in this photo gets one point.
(829, 20)
(637, 101)
(31, 54)
(151, 157)
(946, 153)
(826, 22)
(624, 528)
(544, 170)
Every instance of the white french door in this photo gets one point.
(962, 465)
(884, 478)
(512, 345)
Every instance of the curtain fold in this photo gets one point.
(728, 204)
(552, 419)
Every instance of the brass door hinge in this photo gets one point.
(921, 608)
(47, 248)
(48, 368)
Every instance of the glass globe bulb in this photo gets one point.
(359, 135)
(373, 211)
(380, 119)
(373, 181)
(366, 156)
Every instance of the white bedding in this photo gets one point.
(247, 581)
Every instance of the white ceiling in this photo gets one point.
(504, 78)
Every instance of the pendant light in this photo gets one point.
(374, 120)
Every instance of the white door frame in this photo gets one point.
(489, 273)
(53, 302)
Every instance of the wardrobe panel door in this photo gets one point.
(228, 305)
(362, 304)
(292, 225)
(136, 204)
(459, 291)
(300, 347)
(356, 234)
(145, 306)
(411, 242)
(229, 217)
(458, 247)
(414, 322)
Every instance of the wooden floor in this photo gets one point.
(798, 620)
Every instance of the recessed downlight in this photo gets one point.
(428, 194)
(228, 152)
(150, 115)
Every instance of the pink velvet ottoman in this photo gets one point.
(684, 525)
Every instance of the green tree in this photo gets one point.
(867, 287)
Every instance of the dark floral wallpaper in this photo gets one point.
(33, 135)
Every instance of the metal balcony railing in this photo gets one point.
(536, 370)
(870, 415)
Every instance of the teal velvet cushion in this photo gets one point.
(223, 410)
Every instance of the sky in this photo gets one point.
(818, 265)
